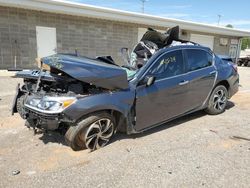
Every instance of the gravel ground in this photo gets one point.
(197, 150)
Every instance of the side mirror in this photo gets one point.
(149, 80)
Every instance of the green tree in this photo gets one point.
(230, 26)
(245, 43)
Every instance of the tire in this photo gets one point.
(92, 132)
(217, 101)
(19, 106)
(248, 64)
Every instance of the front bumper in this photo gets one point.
(41, 120)
(44, 120)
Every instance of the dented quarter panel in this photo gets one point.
(225, 72)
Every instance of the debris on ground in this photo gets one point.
(128, 149)
(239, 138)
(214, 131)
(15, 172)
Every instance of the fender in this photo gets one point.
(120, 101)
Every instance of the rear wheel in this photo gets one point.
(92, 133)
(217, 101)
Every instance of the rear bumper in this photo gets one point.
(234, 85)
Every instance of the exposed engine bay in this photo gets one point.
(54, 82)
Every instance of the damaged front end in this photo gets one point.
(45, 112)
(61, 82)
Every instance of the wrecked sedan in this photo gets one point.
(88, 100)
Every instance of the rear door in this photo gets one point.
(166, 97)
(201, 76)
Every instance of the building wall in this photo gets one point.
(90, 37)
(225, 50)
(218, 48)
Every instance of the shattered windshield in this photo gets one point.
(149, 44)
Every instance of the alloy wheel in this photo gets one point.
(220, 100)
(98, 134)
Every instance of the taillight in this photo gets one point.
(235, 67)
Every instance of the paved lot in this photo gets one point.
(194, 151)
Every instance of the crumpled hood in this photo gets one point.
(89, 70)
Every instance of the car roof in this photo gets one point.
(179, 47)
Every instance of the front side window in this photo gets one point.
(198, 59)
(170, 64)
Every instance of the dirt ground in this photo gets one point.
(197, 150)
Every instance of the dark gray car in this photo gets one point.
(90, 99)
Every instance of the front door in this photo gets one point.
(46, 41)
(166, 97)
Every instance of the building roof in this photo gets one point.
(79, 9)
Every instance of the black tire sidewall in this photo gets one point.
(19, 106)
(82, 126)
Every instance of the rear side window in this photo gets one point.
(170, 64)
(198, 59)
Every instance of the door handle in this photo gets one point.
(184, 82)
(213, 72)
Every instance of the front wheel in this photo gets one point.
(92, 133)
(20, 106)
(217, 101)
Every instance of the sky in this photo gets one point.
(234, 12)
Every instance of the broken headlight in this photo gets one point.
(51, 104)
